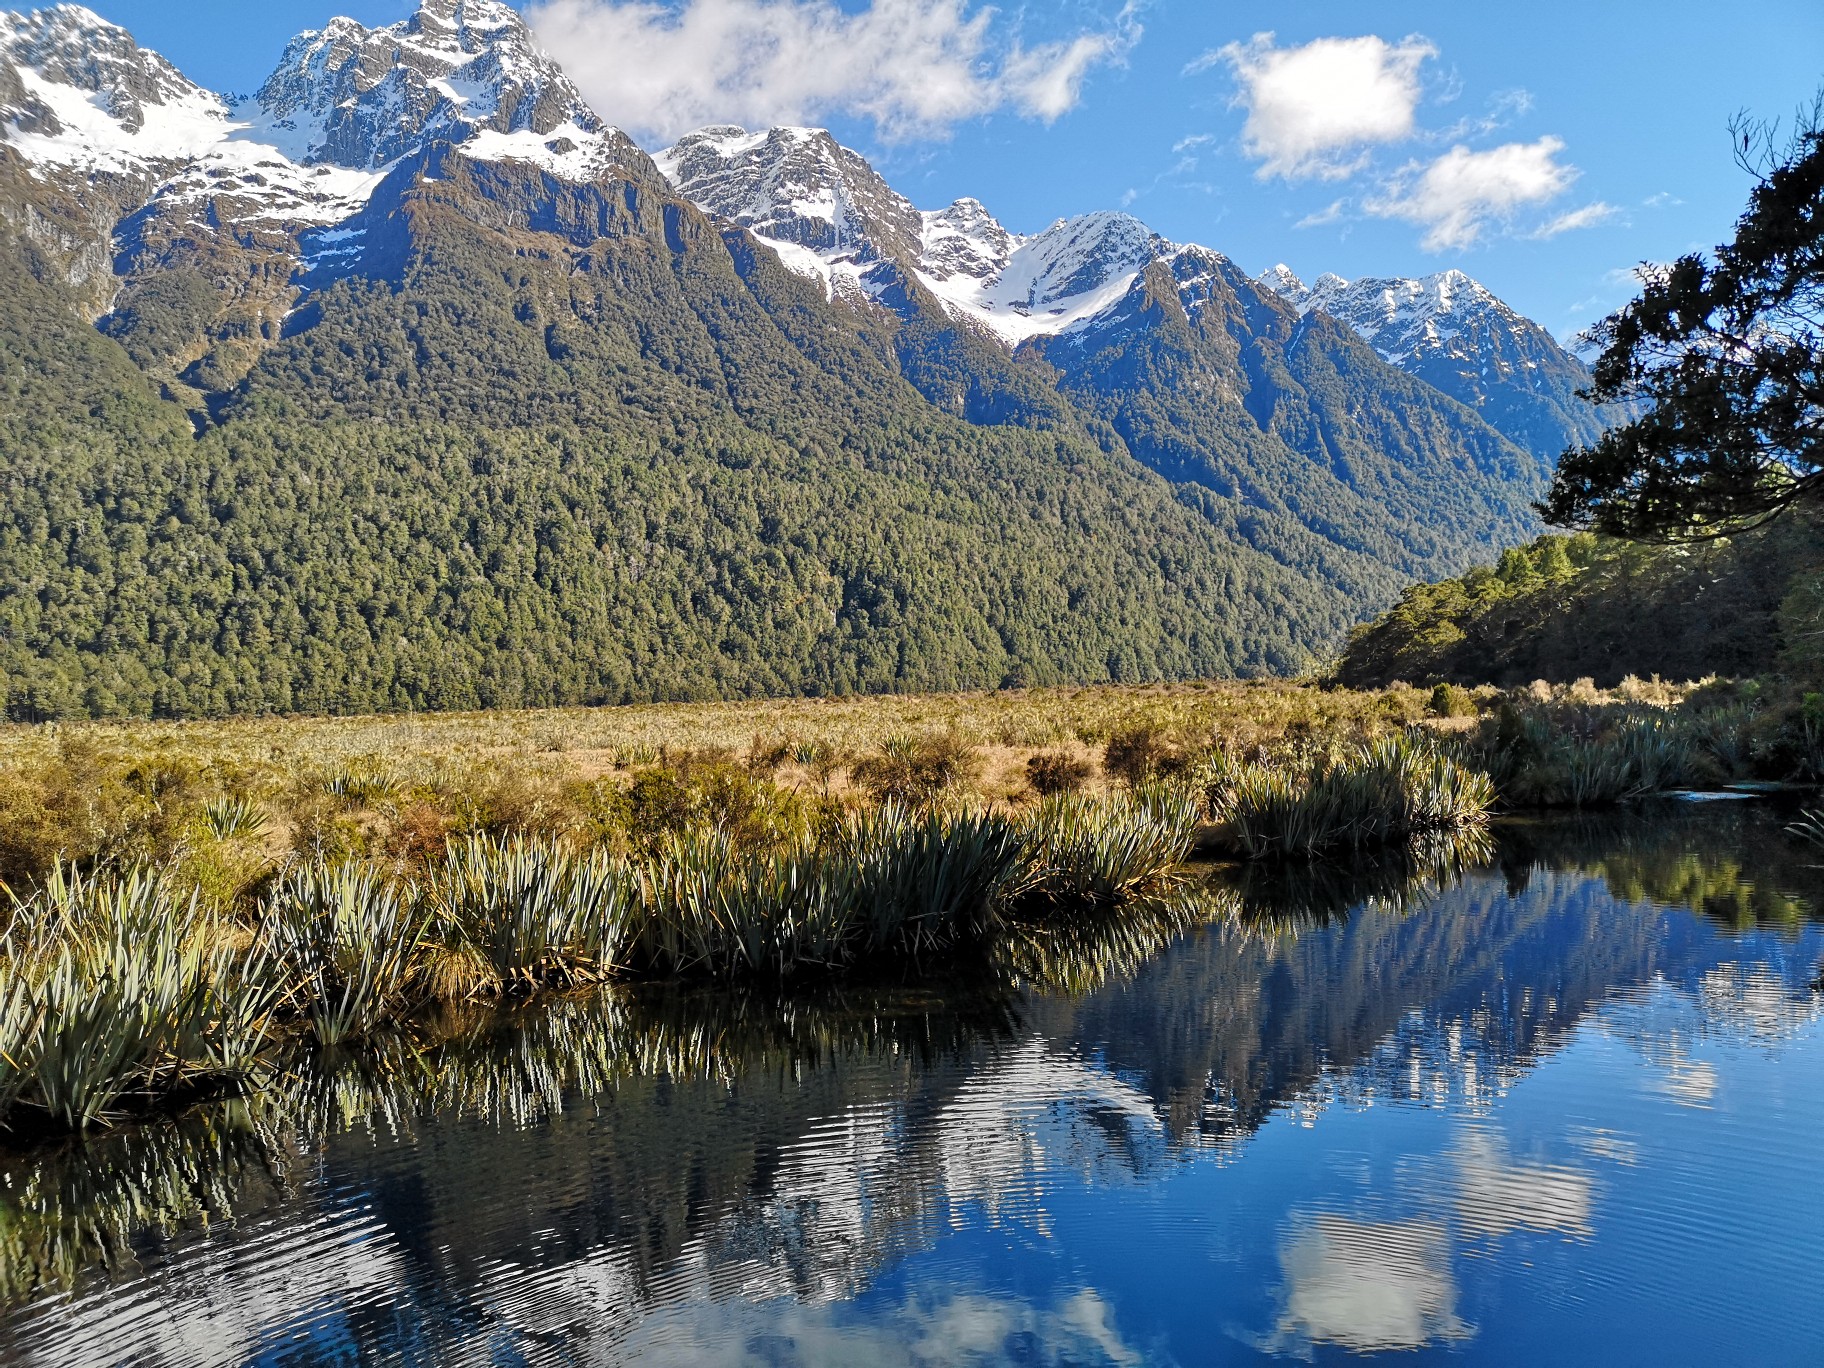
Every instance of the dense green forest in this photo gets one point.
(1583, 605)
(625, 462)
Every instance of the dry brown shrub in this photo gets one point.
(1141, 752)
(916, 770)
(1057, 772)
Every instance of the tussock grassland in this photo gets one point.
(228, 803)
(230, 799)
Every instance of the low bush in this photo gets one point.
(1139, 753)
(1053, 772)
(1452, 700)
(1099, 853)
(917, 770)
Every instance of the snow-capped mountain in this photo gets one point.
(361, 98)
(1455, 334)
(268, 188)
(133, 172)
(827, 212)
(833, 217)
(1038, 286)
(77, 94)
(76, 88)
(79, 98)
(1405, 320)
(425, 224)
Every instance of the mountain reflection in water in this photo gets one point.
(1550, 1098)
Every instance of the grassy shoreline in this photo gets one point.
(123, 988)
(184, 896)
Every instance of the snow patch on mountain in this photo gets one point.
(1402, 319)
(1046, 284)
(77, 91)
(569, 151)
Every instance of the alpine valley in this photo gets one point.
(407, 382)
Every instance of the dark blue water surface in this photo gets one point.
(1565, 1106)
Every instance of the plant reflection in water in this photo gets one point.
(662, 1162)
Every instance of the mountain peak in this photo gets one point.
(1283, 281)
(351, 96)
(467, 14)
(1451, 331)
(965, 240)
(822, 203)
(71, 45)
(1026, 287)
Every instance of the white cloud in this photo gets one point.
(1312, 109)
(1319, 218)
(1460, 194)
(913, 67)
(1495, 1195)
(1590, 216)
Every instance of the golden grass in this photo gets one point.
(589, 742)
(397, 787)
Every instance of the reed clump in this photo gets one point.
(1587, 757)
(121, 989)
(1376, 794)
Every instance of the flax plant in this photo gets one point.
(530, 913)
(1100, 851)
(1371, 794)
(350, 938)
(119, 987)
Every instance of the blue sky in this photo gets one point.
(1544, 147)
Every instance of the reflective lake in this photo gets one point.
(1560, 1101)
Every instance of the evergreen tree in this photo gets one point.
(1727, 356)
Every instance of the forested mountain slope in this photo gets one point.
(1338, 460)
(469, 486)
(407, 382)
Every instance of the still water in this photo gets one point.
(1561, 1102)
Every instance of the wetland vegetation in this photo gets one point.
(188, 900)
